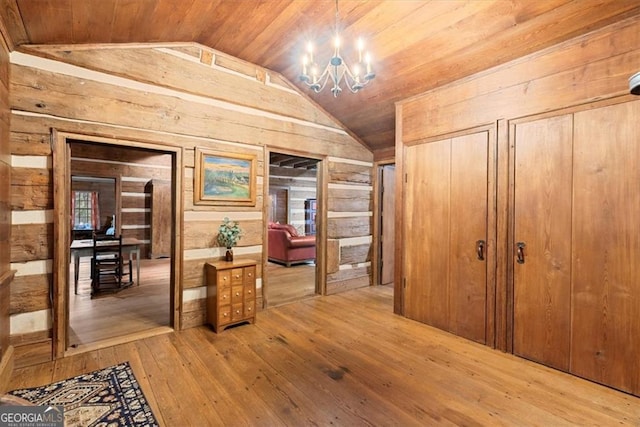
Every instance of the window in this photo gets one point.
(83, 210)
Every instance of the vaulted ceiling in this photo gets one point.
(416, 45)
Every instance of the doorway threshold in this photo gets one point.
(110, 342)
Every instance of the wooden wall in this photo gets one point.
(350, 214)
(583, 73)
(6, 274)
(178, 95)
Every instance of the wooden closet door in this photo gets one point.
(605, 345)
(426, 232)
(468, 226)
(446, 188)
(542, 222)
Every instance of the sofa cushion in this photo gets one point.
(290, 228)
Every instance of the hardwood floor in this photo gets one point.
(130, 311)
(344, 359)
(289, 284)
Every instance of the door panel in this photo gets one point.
(427, 232)
(388, 224)
(447, 190)
(542, 221)
(606, 260)
(468, 212)
(279, 205)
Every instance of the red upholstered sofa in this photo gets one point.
(286, 247)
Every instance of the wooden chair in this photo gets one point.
(108, 267)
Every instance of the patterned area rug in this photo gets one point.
(109, 397)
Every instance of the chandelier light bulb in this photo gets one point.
(360, 46)
(310, 51)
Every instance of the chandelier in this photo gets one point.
(355, 77)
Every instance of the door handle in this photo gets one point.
(520, 252)
(480, 244)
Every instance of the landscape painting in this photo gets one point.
(224, 178)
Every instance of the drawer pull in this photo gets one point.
(237, 311)
(237, 294)
(225, 314)
(249, 291)
(224, 278)
(237, 276)
(249, 309)
(249, 274)
(224, 297)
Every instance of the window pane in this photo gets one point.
(82, 219)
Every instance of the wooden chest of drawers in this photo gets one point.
(231, 293)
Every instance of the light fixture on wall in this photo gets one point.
(355, 77)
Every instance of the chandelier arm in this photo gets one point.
(321, 81)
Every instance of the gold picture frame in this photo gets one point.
(224, 178)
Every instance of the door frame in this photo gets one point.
(321, 218)
(376, 253)
(61, 233)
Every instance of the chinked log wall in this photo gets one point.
(6, 274)
(182, 95)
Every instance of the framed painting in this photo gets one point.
(224, 178)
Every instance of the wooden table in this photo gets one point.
(81, 248)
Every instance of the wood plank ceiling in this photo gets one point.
(416, 45)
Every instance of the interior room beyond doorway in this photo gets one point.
(126, 193)
(292, 209)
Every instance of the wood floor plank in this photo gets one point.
(308, 367)
(208, 373)
(539, 385)
(363, 361)
(289, 402)
(541, 382)
(32, 376)
(344, 359)
(284, 285)
(178, 393)
(232, 382)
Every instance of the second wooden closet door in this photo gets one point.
(542, 208)
(576, 210)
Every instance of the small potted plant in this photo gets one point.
(229, 233)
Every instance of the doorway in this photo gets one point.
(291, 267)
(386, 219)
(119, 176)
